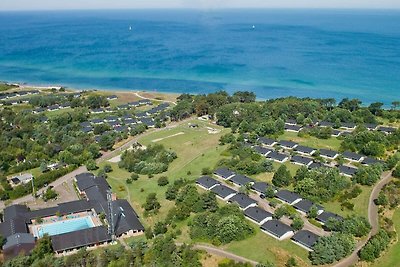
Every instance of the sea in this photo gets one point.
(274, 53)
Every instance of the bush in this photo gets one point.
(107, 168)
(162, 181)
(375, 246)
(128, 180)
(206, 171)
(329, 249)
(49, 194)
(396, 172)
(154, 159)
(134, 176)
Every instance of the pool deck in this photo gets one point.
(35, 227)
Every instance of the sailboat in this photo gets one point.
(130, 28)
(254, 27)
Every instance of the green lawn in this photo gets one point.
(261, 247)
(331, 143)
(360, 204)
(196, 149)
(392, 257)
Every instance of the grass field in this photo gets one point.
(360, 204)
(196, 149)
(392, 257)
(261, 247)
(331, 143)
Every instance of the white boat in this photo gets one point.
(254, 27)
(130, 28)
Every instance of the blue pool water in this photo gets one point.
(62, 227)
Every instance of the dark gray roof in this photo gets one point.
(223, 191)
(18, 244)
(291, 121)
(386, 129)
(301, 159)
(241, 179)
(242, 200)
(224, 172)
(125, 218)
(14, 211)
(327, 153)
(292, 127)
(84, 180)
(287, 196)
(349, 125)
(370, 161)
(370, 126)
(347, 170)
(20, 238)
(326, 215)
(305, 205)
(81, 238)
(286, 143)
(262, 150)
(13, 226)
(257, 214)
(305, 238)
(276, 228)
(260, 187)
(266, 141)
(316, 165)
(336, 132)
(325, 124)
(207, 182)
(277, 156)
(147, 121)
(352, 155)
(304, 149)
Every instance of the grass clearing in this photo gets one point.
(360, 204)
(261, 247)
(391, 257)
(332, 143)
(196, 149)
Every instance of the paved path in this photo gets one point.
(372, 218)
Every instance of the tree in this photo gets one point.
(291, 262)
(162, 181)
(152, 204)
(297, 223)
(107, 168)
(134, 176)
(49, 194)
(396, 171)
(43, 167)
(91, 165)
(160, 228)
(329, 249)
(313, 213)
(42, 248)
(368, 175)
(282, 177)
(376, 108)
(269, 192)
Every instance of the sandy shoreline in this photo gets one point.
(126, 94)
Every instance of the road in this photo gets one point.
(373, 219)
(107, 155)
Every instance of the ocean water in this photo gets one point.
(315, 53)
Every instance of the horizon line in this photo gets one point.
(210, 9)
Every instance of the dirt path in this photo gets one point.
(169, 136)
(372, 218)
(153, 99)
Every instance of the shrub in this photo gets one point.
(162, 181)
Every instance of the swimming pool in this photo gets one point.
(62, 227)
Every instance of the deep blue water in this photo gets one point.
(315, 53)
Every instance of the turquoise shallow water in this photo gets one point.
(315, 53)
